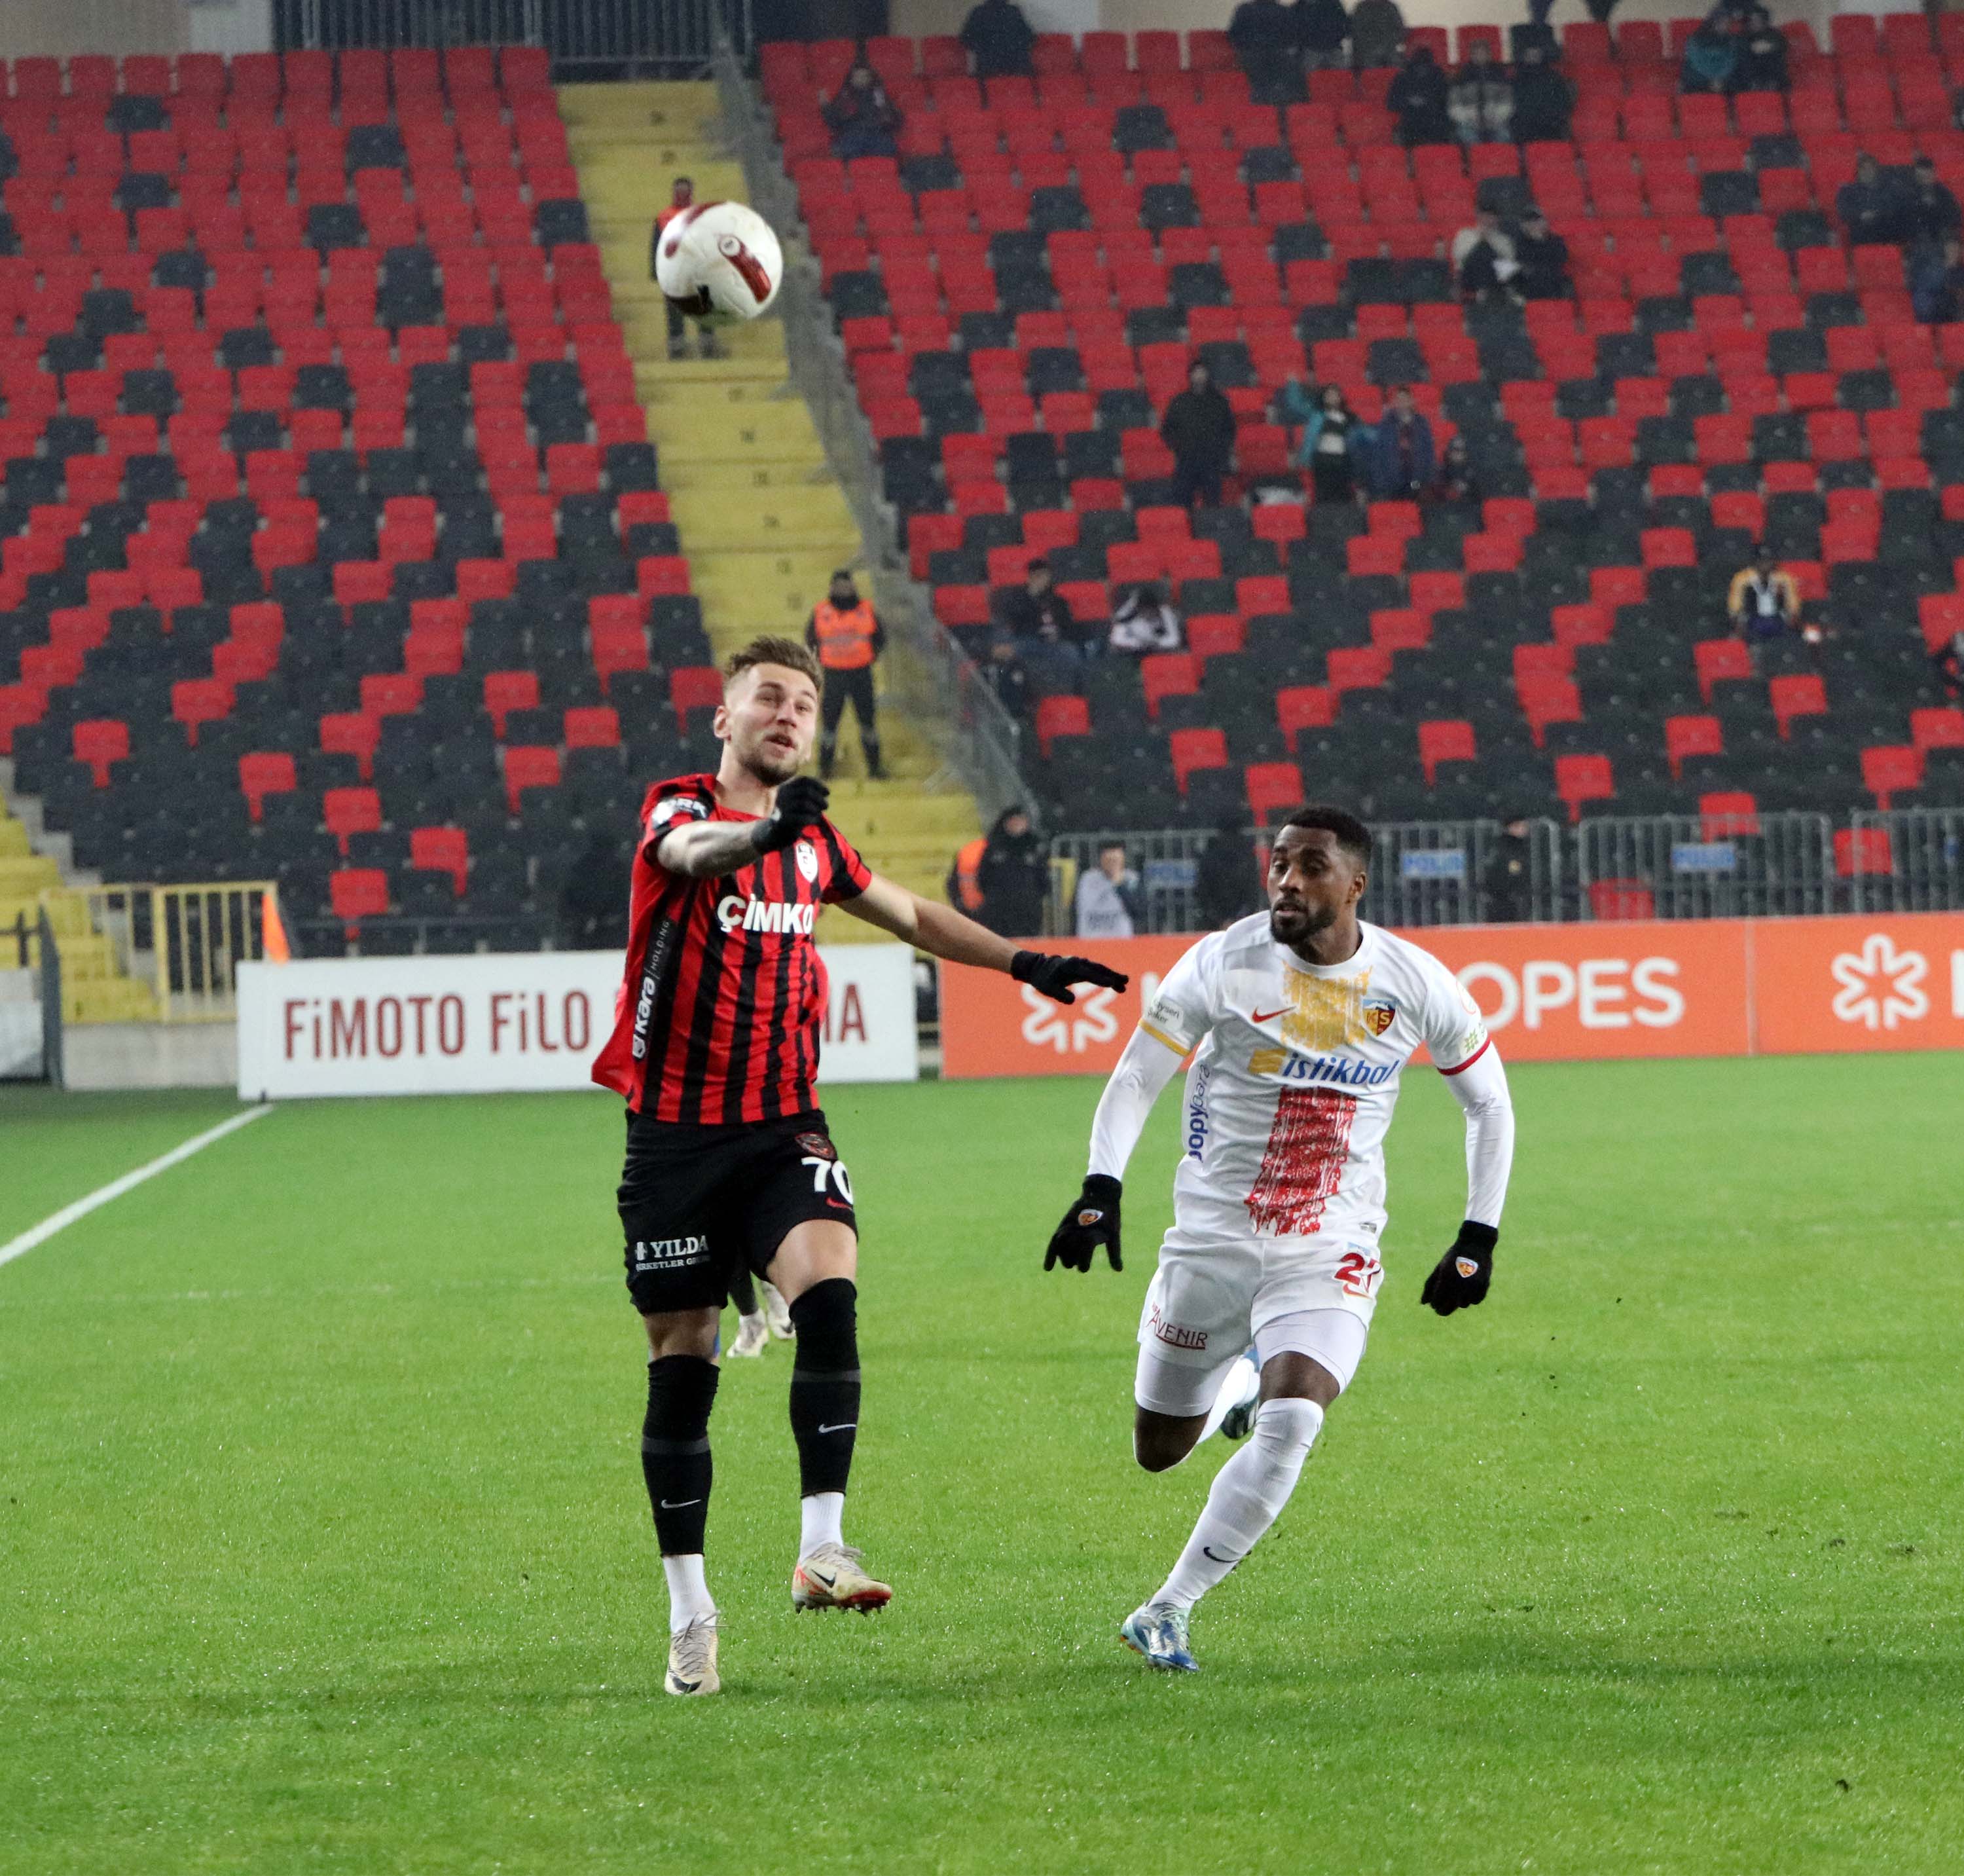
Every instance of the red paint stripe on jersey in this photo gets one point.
(1470, 1059)
(1304, 1162)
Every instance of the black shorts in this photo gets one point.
(697, 1203)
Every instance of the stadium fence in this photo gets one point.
(585, 38)
(1437, 872)
(185, 942)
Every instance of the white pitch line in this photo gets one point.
(67, 1216)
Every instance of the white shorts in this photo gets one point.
(1208, 1302)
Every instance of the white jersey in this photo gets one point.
(1294, 1076)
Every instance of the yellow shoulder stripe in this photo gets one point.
(1160, 1036)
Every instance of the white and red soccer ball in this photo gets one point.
(719, 261)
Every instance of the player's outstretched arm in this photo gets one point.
(1460, 1278)
(943, 933)
(1143, 1071)
(705, 849)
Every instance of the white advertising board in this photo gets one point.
(513, 1022)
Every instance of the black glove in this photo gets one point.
(800, 802)
(1055, 975)
(1460, 1278)
(1092, 1220)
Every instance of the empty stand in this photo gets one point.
(323, 463)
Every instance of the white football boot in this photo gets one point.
(777, 1312)
(692, 1659)
(752, 1337)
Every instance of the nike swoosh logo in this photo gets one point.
(844, 1426)
(1269, 1016)
(1207, 1550)
(683, 1506)
(816, 1577)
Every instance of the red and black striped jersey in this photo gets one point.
(719, 1013)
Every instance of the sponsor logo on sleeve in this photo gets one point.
(675, 808)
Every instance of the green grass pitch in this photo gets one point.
(323, 1545)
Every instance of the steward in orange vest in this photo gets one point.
(846, 634)
(965, 877)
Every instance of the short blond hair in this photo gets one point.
(766, 649)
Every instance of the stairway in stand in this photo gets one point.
(763, 519)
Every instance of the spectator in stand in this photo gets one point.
(1144, 621)
(1329, 448)
(1930, 215)
(1295, 403)
(1322, 30)
(863, 120)
(1481, 101)
(1421, 97)
(1014, 876)
(1108, 903)
(1509, 874)
(1871, 207)
(1002, 671)
(1711, 54)
(1455, 485)
(1483, 258)
(1542, 257)
(1761, 63)
(1264, 35)
(1399, 458)
(1198, 428)
(681, 195)
(1046, 635)
(1377, 31)
(1227, 878)
(1544, 101)
(1937, 284)
(1763, 601)
(999, 40)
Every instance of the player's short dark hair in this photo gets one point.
(765, 649)
(1352, 835)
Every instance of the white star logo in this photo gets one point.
(1880, 985)
(1070, 1030)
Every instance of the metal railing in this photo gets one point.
(932, 679)
(1918, 856)
(184, 942)
(585, 37)
(398, 934)
(1686, 867)
(50, 967)
(1768, 866)
(1431, 873)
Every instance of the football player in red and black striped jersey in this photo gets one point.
(729, 1163)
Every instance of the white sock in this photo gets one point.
(689, 1599)
(819, 1520)
(1249, 1493)
(1242, 1383)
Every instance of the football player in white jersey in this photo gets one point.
(1298, 1023)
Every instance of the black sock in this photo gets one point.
(675, 1450)
(824, 1384)
(743, 1292)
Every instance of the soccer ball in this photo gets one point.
(719, 261)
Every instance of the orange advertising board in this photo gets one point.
(1823, 985)
(1554, 993)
